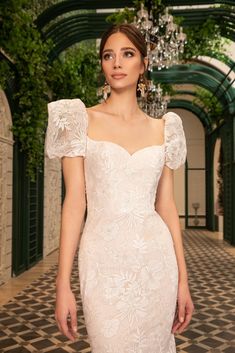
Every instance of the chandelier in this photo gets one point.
(153, 102)
(165, 39)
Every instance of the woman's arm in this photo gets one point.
(73, 211)
(165, 206)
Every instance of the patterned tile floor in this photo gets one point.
(27, 321)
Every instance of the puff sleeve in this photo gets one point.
(175, 141)
(67, 129)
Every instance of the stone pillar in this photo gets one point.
(6, 184)
(52, 205)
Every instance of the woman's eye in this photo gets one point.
(106, 56)
(129, 53)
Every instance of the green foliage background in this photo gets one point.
(73, 74)
(212, 105)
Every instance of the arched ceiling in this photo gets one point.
(73, 29)
(206, 77)
(192, 17)
(82, 26)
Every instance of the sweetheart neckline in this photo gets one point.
(123, 148)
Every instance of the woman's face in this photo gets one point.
(121, 61)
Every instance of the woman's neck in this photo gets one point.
(123, 104)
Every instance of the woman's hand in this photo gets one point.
(184, 309)
(65, 307)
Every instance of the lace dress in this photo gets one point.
(127, 264)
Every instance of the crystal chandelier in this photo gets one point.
(164, 39)
(153, 102)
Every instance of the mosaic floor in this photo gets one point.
(27, 321)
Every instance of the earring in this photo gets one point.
(106, 90)
(141, 86)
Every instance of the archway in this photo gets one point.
(6, 170)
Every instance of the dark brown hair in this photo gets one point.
(132, 33)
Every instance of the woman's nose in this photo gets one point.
(117, 61)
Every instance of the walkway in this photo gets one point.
(27, 320)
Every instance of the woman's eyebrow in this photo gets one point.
(124, 48)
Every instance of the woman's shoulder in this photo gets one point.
(65, 103)
(97, 111)
(97, 108)
(172, 117)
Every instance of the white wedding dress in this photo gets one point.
(127, 264)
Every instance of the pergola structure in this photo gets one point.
(78, 25)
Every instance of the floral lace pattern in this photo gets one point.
(127, 264)
(66, 131)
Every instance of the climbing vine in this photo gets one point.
(25, 48)
(36, 80)
(76, 74)
(203, 39)
(210, 103)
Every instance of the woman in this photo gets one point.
(132, 271)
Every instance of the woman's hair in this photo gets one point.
(132, 33)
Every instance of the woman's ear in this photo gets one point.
(145, 62)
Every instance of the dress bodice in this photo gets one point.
(116, 180)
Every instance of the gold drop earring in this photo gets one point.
(141, 86)
(106, 90)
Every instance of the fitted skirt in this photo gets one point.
(128, 281)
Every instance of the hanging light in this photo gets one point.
(165, 39)
(154, 103)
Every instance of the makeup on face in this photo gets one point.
(120, 59)
(128, 52)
